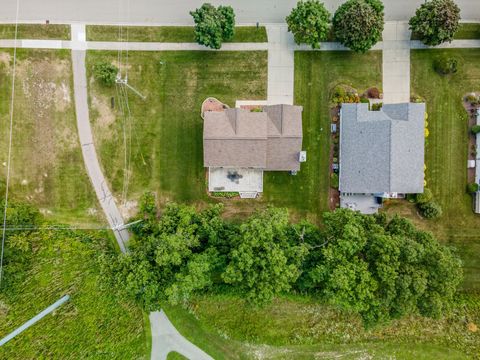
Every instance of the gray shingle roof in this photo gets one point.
(269, 140)
(382, 151)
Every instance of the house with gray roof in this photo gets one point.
(381, 153)
(239, 144)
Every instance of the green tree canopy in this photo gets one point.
(358, 24)
(383, 269)
(264, 261)
(106, 73)
(213, 25)
(309, 22)
(169, 260)
(436, 21)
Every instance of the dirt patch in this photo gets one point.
(105, 117)
(5, 58)
(128, 209)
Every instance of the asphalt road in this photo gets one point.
(176, 12)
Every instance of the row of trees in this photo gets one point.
(379, 268)
(358, 24)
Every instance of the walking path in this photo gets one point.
(396, 62)
(104, 195)
(165, 338)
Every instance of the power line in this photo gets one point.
(9, 156)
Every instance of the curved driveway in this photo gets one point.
(176, 12)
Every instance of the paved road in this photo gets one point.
(88, 150)
(165, 338)
(176, 11)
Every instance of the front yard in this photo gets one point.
(447, 151)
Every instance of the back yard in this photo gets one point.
(47, 164)
(446, 153)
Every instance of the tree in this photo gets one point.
(213, 25)
(106, 73)
(169, 261)
(436, 21)
(382, 269)
(309, 22)
(358, 24)
(264, 261)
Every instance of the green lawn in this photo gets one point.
(35, 31)
(316, 74)
(165, 136)
(302, 328)
(466, 31)
(91, 325)
(47, 165)
(166, 33)
(446, 153)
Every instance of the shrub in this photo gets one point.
(430, 210)
(225, 194)
(309, 22)
(334, 180)
(373, 93)
(436, 21)
(472, 99)
(376, 106)
(358, 24)
(445, 65)
(472, 188)
(213, 25)
(417, 99)
(105, 72)
(424, 197)
(475, 129)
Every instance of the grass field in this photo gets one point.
(302, 328)
(166, 33)
(91, 325)
(446, 153)
(316, 74)
(35, 31)
(47, 164)
(165, 137)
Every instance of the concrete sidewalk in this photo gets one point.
(165, 339)
(90, 158)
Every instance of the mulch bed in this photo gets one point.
(472, 120)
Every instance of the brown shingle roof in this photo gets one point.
(268, 140)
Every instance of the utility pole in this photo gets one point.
(124, 81)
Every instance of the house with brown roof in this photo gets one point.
(239, 144)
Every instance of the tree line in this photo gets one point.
(378, 267)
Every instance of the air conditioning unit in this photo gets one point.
(302, 156)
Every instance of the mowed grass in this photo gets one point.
(446, 153)
(35, 31)
(166, 33)
(468, 31)
(47, 167)
(316, 74)
(93, 324)
(304, 328)
(164, 136)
